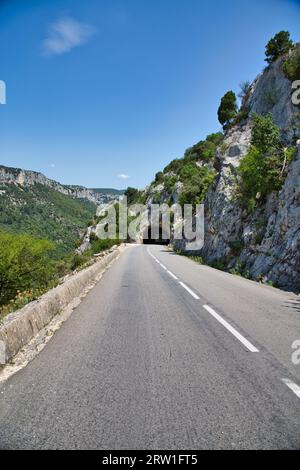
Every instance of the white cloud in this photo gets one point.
(65, 34)
(122, 176)
(52, 165)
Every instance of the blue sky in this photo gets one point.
(104, 89)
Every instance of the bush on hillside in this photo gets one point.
(291, 66)
(25, 265)
(263, 169)
(196, 181)
(205, 149)
(265, 133)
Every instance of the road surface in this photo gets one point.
(163, 353)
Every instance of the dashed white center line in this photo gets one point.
(221, 320)
(292, 386)
(172, 275)
(230, 328)
(189, 290)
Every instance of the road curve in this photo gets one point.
(163, 354)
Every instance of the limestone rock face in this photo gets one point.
(266, 243)
(271, 93)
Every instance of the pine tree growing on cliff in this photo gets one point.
(280, 44)
(228, 109)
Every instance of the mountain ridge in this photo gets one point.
(25, 177)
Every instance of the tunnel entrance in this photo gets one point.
(163, 238)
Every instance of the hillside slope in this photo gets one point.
(31, 203)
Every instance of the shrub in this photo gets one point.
(169, 182)
(277, 46)
(93, 237)
(205, 149)
(25, 265)
(174, 166)
(260, 174)
(291, 66)
(79, 260)
(196, 181)
(263, 169)
(105, 244)
(265, 133)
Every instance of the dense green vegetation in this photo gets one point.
(134, 196)
(26, 268)
(205, 149)
(291, 66)
(263, 169)
(279, 45)
(195, 171)
(44, 213)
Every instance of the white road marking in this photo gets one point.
(230, 328)
(294, 387)
(189, 290)
(152, 256)
(173, 275)
(223, 322)
(164, 267)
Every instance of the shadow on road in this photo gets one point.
(294, 304)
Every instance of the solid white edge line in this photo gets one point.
(292, 386)
(163, 266)
(189, 290)
(230, 328)
(172, 275)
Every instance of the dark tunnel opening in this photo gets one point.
(163, 239)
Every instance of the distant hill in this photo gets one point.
(44, 208)
(116, 192)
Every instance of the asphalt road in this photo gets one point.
(163, 354)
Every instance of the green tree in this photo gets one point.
(228, 109)
(132, 195)
(280, 44)
(159, 177)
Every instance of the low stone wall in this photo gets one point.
(18, 328)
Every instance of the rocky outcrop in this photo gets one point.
(265, 244)
(271, 93)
